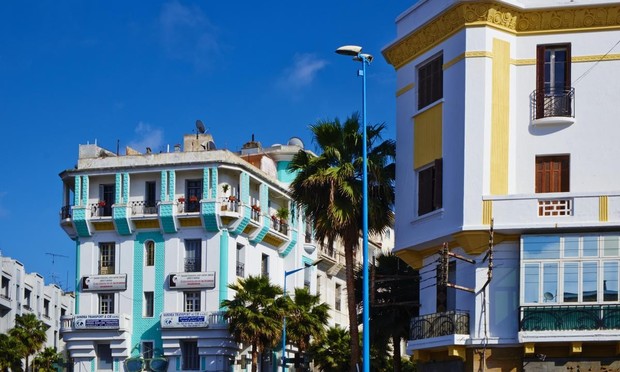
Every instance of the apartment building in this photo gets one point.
(506, 135)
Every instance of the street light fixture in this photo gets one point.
(356, 52)
(287, 273)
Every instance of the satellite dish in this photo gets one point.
(200, 126)
(548, 296)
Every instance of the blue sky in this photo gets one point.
(141, 73)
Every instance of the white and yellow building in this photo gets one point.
(507, 115)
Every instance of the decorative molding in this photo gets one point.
(404, 89)
(603, 208)
(506, 18)
(596, 58)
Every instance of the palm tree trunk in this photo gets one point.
(398, 363)
(353, 330)
(254, 358)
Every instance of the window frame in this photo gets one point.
(543, 79)
(558, 178)
(107, 258)
(190, 360)
(430, 81)
(193, 255)
(434, 185)
(106, 303)
(149, 304)
(149, 253)
(192, 301)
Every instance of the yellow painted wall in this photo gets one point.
(500, 109)
(427, 133)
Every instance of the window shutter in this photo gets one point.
(540, 81)
(438, 184)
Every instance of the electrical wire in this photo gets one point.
(595, 63)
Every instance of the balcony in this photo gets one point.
(5, 301)
(553, 210)
(569, 323)
(440, 324)
(554, 107)
(65, 212)
(140, 208)
(188, 206)
(103, 210)
(192, 265)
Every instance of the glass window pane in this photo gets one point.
(590, 246)
(571, 284)
(550, 282)
(571, 246)
(611, 243)
(531, 279)
(589, 281)
(541, 246)
(610, 281)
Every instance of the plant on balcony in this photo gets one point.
(232, 198)
(101, 203)
(181, 199)
(256, 208)
(282, 214)
(193, 199)
(225, 188)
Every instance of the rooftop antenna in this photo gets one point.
(54, 276)
(200, 126)
(54, 255)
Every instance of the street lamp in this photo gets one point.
(356, 52)
(287, 273)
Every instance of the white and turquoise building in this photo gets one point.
(507, 117)
(160, 236)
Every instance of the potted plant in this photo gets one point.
(232, 198)
(101, 203)
(181, 199)
(193, 198)
(225, 188)
(282, 214)
(256, 208)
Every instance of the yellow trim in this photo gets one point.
(477, 242)
(529, 348)
(507, 18)
(190, 222)
(523, 62)
(427, 132)
(487, 212)
(603, 208)
(421, 355)
(404, 89)
(456, 351)
(414, 258)
(596, 58)
(146, 224)
(576, 348)
(500, 109)
(104, 226)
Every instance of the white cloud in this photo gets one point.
(303, 71)
(187, 33)
(147, 136)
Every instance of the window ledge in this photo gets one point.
(553, 120)
(428, 215)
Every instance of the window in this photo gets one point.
(571, 268)
(307, 276)
(264, 265)
(430, 82)
(5, 288)
(150, 204)
(148, 304)
(193, 195)
(27, 298)
(106, 303)
(46, 307)
(104, 357)
(193, 256)
(147, 353)
(106, 195)
(192, 301)
(191, 359)
(338, 297)
(430, 187)
(149, 248)
(552, 173)
(553, 87)
(240, 260)
(106, 258)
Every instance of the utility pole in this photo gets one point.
(444, 264)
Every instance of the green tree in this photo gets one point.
(331, 353)
(329, 187)
(44, 361)
(394, 301)
(30, 333)
(255, 314)
(306, 318)
(11, 352)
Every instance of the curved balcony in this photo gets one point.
(440, 324)
(554, 107)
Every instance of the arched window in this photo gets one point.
(149, 248)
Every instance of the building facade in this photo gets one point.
(507, 128)
(161, 236)
(24, 293)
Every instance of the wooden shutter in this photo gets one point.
(438, 184)
(552, 174)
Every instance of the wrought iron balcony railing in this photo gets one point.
(440, 324)
(143, 207)
(569, 318)
(192, 265)
(240, 269)
(65, 212)
(556, 103)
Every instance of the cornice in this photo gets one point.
(506, 18)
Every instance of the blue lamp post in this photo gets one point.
(287, 273)
(356, 52)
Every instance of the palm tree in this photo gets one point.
(11, 352)
(254, 314)
(329, 187)
(331, 354)
(306, 318)
(394, 301)
(45, 359)
(29, 332)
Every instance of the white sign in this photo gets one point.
(98, 321)
(104, 283)
(192, 280)
(185, 320)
